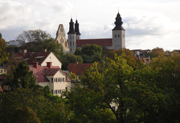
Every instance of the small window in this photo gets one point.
(73, 43)
(55, 80)
(59, 79)
(118, 35)
(70, 43)
(114, 35)
(52, 91)
(55, 91)
(70, 37)
(52, 80)
(63, 79)
(66, 88)
(59, 91)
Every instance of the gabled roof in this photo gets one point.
(41, 72)
(99, 42)
(78, 69)
(31, 57)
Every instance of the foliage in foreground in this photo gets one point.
(139, 96)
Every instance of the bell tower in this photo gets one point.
(71, 37)
(78, 34)
(118, 34)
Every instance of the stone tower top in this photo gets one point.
(71, 27)
(118, 23)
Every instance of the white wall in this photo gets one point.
(52, 58)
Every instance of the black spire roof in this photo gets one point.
(71, 27)
(118, 23)
(77, 28)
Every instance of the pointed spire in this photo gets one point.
(77, 28)
(118, 23)
(71, 27)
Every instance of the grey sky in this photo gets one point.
(148, 23)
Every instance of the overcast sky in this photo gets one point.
(148, 23)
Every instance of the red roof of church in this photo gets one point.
(31, 57)
(99, 42)
(41, 72)
(78, 69)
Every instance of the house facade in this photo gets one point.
(51, 76)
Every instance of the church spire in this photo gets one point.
(71, 27)
(118, 23)
(77, 28)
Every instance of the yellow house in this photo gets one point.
(51, 76)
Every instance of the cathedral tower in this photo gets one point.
(61, 38)
(72, 37)
(118, 34)
(77, 30)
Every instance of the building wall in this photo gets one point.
(52, 58)
(61, 38)
(118, 38)
(56, 86)
(72, 42)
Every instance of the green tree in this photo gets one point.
(3, 55)
(135, 94)
(129, 55)
(23, 78)
(91, 49)
(70, 58)
(78, 52)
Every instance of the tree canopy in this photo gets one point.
(128, 95)
(3, 55)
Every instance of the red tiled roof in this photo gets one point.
(43, 71)
(1, 90)
(99, 42)
(78, 69)
(68, 79)
(31, 57)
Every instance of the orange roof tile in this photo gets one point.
(99, 42)
(78, 69)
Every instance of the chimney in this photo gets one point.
(45, 50)
(24, 51)
(76, 62)
(35, 65)
(49, 64)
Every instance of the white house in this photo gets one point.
(51, 76)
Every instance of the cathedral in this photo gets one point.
(74, 41)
